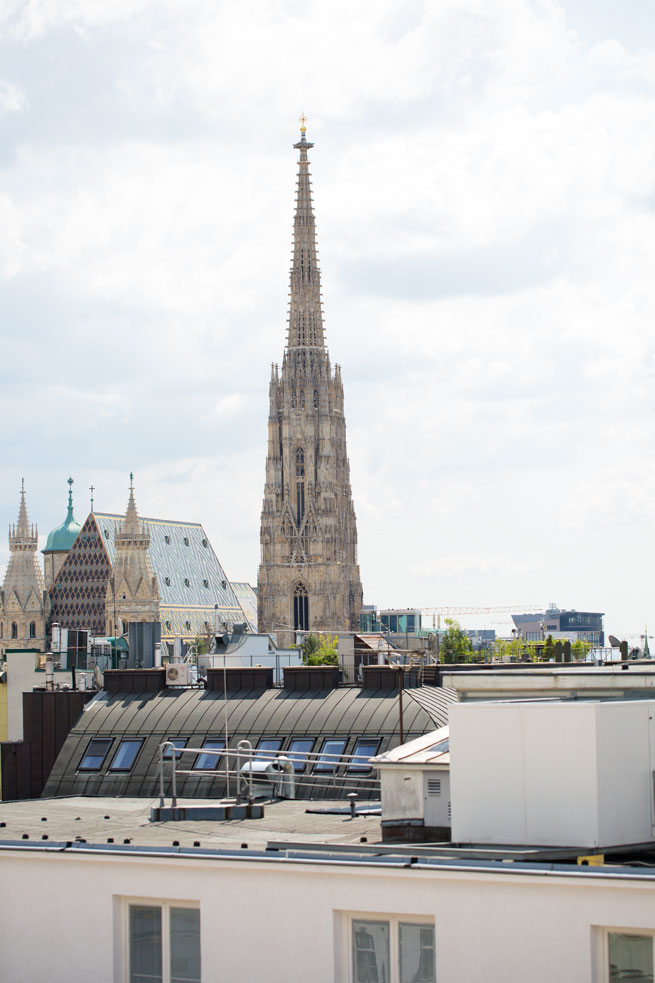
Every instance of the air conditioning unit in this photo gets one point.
(178, 674)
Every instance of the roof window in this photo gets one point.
(330, 757)
(187, 582)
(167, 581)
(205, 583)
(299, 750)
(187, 625)
(365, 748)
(169, 625)
(440, 746)
(167, 539)
(209, 762)
(186, 540)
(177, 742)
(205, 543)
(126, 754)
(96, 751)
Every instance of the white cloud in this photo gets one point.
(484, 196)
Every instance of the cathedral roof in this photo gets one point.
(63, 536)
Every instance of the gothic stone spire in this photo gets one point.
(308, 577)
(22, 597)
(132, 590)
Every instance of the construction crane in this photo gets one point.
(447, 611)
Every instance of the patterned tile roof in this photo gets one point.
(247, 597)
(193, 586)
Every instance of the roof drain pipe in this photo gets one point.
(286, 778)
(245, 747)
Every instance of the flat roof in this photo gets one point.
(301, 831)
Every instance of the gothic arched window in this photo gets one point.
(300, 608)
(14, 630)
(32, 629)
(300, 485)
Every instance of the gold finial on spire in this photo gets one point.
(303, 121)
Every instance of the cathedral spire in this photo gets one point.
(132, 532)
(22, 536)
(305, 313)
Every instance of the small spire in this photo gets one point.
(303, 120)
(70, 498)
(92, 488)
(23, 526)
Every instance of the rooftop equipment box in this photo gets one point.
(552, 774)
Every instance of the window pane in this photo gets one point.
(209, 762)
(363, 751)
(95, 754)
(298, 751)
(631, 957)
(416, 953)
(268, 744)
(326, 763)
(177, 742)
(145, 944)
(185, 945)
(126, 755)
(370, 952)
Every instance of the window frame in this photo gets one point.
(300, 758)
(364, 766)
(179, 744)
(216, 758)
(139, 741)
(122, 926)
(262, 753)
(330, 767)
(344, 921)
(601, 953)
(109, 741)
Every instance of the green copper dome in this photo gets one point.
(62, 538)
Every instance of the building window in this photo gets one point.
(177, 742)
(364, 749)
(14, 630)
(299, 751)
(267, 748)
(629, 956)
(300, 608)
(329, 759)
(393, 949)
(126, 754)
(163, 943)
(32, 629)
(95, 754)
(209, 762)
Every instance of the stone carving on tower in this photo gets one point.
(132, 590)
(23, 599)
(308, 576)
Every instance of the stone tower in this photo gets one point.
(23, 598)
(308, 576)
(132, 591)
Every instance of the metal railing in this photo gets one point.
(245, 752)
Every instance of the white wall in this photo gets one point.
(560, 774)
(282, 923)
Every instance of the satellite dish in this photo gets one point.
(614, 642)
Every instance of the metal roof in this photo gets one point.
(196, 714)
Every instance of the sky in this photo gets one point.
(483, 174)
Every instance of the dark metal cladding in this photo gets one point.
(194, 715)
